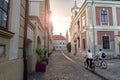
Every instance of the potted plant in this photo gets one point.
(45, 51)
(41, 64)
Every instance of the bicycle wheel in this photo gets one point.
(93, 67)
(85, 65)
(96, 62)
(103, 65)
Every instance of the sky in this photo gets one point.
(61, 14)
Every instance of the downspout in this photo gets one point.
(25, 73)
(45, 28)
(93, 28)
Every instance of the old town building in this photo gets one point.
(59, 42)
(96, 25)
(24, 26)
(41, 9)
(40, 15)
(12, 25)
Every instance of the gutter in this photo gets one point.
(25, 72)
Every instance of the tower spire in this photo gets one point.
(75, 4)
(74, 9)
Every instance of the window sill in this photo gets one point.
(5, 33)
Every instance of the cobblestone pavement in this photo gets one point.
(111, 73)
(62, 67)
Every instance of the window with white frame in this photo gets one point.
(104, 15)
(3, 13)
(106, 42)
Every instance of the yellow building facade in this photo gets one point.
(12, 24)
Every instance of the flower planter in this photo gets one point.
(40, 67)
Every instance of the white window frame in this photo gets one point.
(103, 43)
(106, 19)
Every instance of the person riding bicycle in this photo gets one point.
(99, 54)
(89, 58)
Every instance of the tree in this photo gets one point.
(69, 47)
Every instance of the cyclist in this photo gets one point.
(89, 58)
(99, 54)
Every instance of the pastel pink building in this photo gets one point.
(97, 25)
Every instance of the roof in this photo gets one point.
(58, 37)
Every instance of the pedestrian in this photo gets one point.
(89, 58)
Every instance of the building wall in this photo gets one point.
(11, 67)
(34, 5)
(11, 70)
(39, 9)
(60, 44)
(15, 24)
(30, 48)
(94, 28)
(38, 34)
(118, 19)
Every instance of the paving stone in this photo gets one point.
(62, 68)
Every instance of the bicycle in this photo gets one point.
(100, 63)
(87, 65)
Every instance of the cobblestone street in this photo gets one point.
(68, 67)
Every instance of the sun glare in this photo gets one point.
(60, 24)
(55, 19)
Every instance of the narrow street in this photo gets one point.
(64, 66)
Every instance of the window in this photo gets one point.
(2, 50)
(75, 13)
(83, 20)
(78, 23)
(106, 43)
(104, 16)
(84, 44)
(3, 13)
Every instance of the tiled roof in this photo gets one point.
(58, 37)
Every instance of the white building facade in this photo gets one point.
(59, 43)
(97, 26)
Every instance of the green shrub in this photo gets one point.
(69, 47)
(45, 51)
(42, 62)
(39, 51)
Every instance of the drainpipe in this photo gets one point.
(93, 27)
(25, 73)
(45, 27)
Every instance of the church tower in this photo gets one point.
(74, 10)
